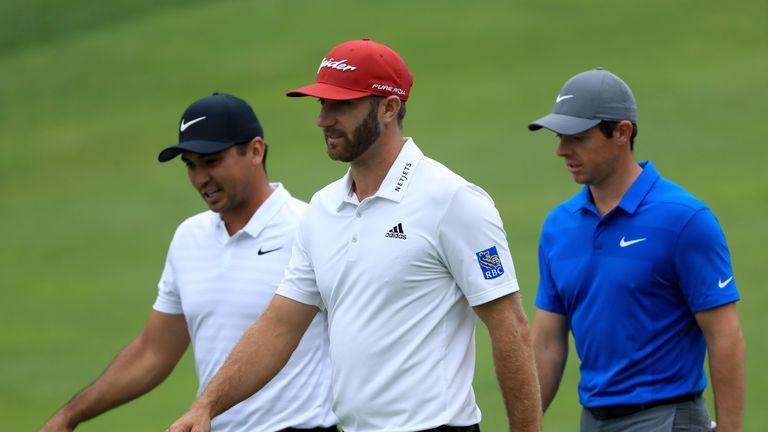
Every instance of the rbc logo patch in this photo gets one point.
(490, 263)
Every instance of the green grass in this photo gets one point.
(89, 93)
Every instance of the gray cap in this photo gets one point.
(587, 99)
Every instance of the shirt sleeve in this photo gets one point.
(547, 296)
(168, 298)
(474, 246)
(703, 264)
(299, 281)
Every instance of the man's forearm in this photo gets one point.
(141, 366)
(259, 355)
(550, 345)
(129, 376)
(726, 366)
(550, 363)
(514, 361)
(725, 347)
(519, 385)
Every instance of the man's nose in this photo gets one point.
(325, 117)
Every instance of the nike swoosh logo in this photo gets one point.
(264, 252)
(624, 243)
(184, 126)
(562, 98)
(722, 284)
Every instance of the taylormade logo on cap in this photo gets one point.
(375, 69)
(338, 65)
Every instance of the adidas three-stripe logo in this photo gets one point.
(396, 232)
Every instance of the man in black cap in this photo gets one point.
(222, 269)
(639, 270)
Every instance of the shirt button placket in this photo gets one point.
(354, 240)
(226, 256)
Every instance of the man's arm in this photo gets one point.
(513, 358)
(725, 347)
(139, 368)
(550, 344)
(259, 355)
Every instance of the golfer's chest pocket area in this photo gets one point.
(407, 258)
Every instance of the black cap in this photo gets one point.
(213, 124)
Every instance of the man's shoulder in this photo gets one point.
(566, 209)
(296, 207)
(331, 193)
(202, 220)
(200, 224)
(435, 170)
(435, 180)
(668, 193)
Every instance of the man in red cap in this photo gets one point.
(404, 255)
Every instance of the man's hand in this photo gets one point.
(195, 420)
(57, 423)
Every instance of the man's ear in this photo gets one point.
(623, 132)
(257, 149)
(390, 107)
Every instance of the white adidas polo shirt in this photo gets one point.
(222, 284)
(398, 274)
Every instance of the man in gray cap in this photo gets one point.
(639, 270)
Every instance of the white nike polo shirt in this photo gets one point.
(222, 284)
(398, 274)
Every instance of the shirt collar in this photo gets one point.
(396, 181)
(263, 215)
(640, 188)
(631, 199)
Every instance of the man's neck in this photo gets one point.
(369, 170)
(608, 194)
(237, 219)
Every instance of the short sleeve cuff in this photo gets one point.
(551, 308)
(493, 293)
(300, 296)
(717, 302)
(167, 306)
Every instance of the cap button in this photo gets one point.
(599, 68)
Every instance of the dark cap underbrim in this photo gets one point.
(328, 91)
(563, 124)
(201, 147)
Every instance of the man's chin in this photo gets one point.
(215, 206)
(336, 155)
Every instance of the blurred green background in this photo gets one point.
(91, 91)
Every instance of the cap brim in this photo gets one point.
(563, 124)
(327, 91)
(201, 147)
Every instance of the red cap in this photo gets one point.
(360, 68)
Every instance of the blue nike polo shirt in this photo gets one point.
(630, 283)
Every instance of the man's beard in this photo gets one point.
(363, 137)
